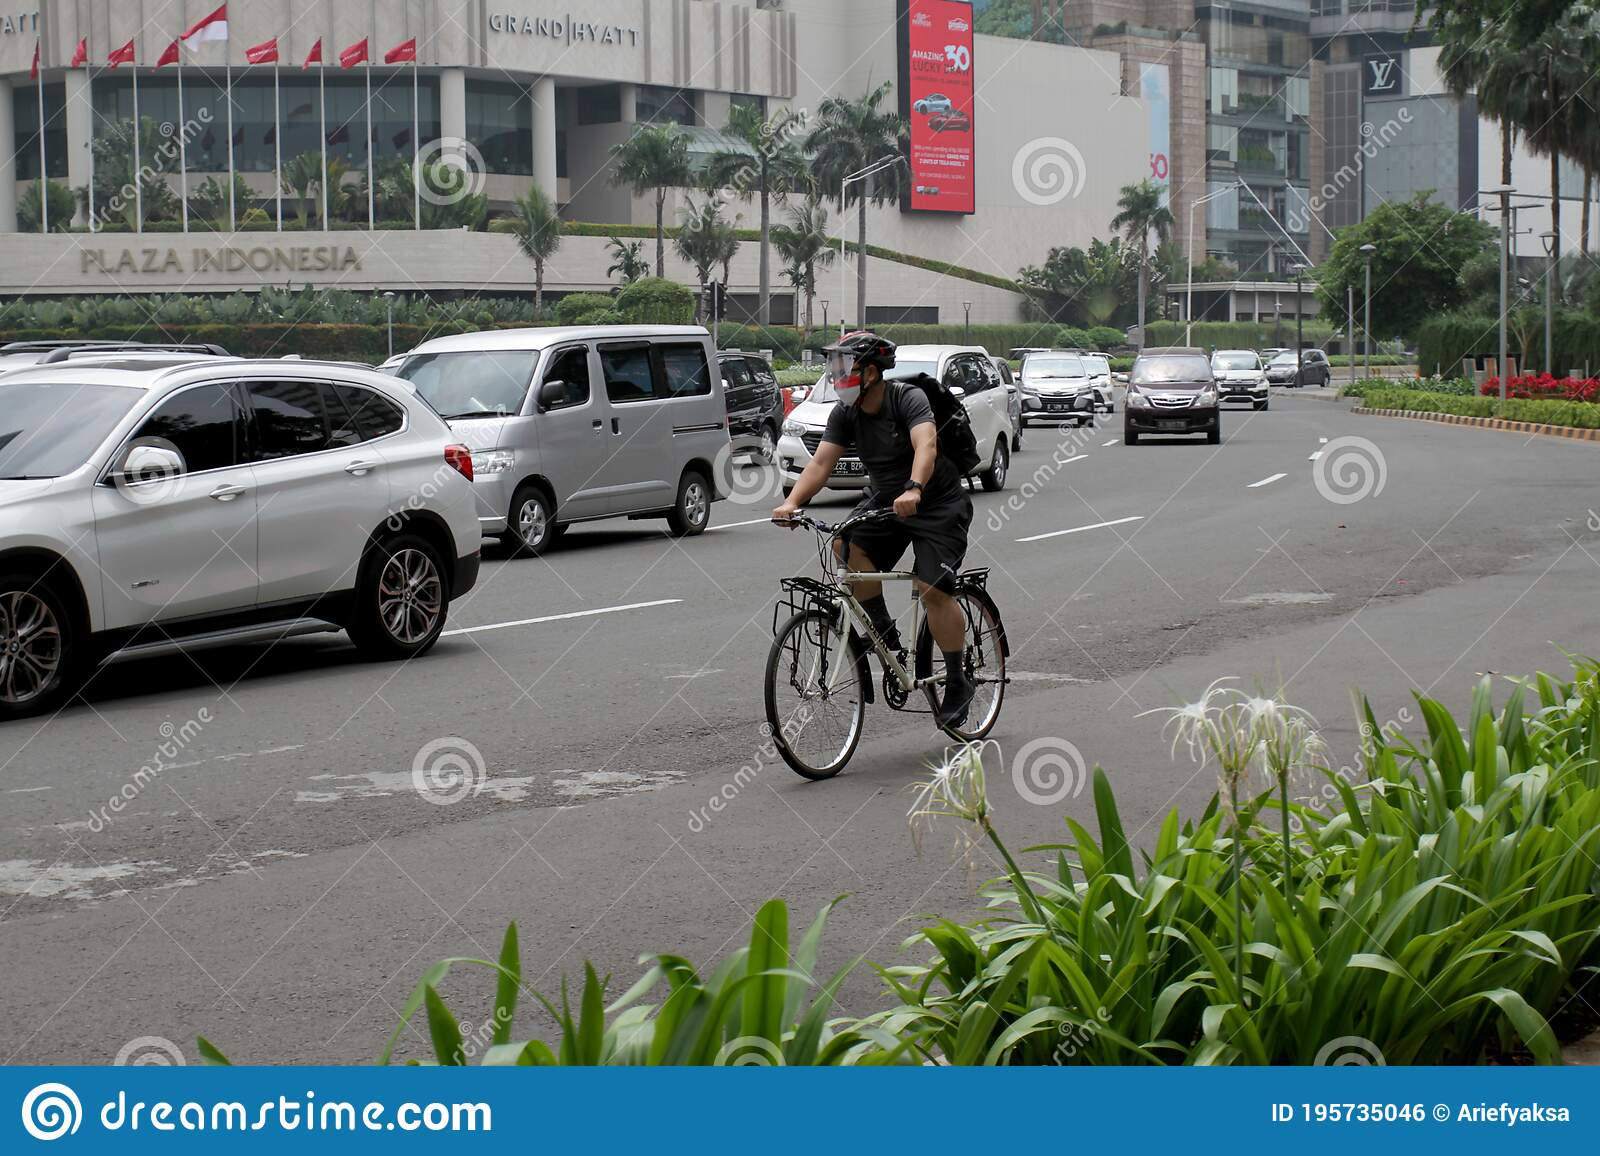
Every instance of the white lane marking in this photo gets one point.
(1322, 441)
(736, 525)
(1314, 456)
(560, 617)
(1113, 442)
(1081, 529)
(1266, 481)
(27, 790)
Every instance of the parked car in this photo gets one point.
(1013, 400)
(1311, 368)
(755, 403)
(1056, 387)
(1171, 391)
(933, 103)
(570, 424)
(968, 369)
(1098, 366)
(21, 354)
(953, 121)
(211, 500)
(1240, 377)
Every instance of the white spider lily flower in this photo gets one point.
(1219, 726)
(957, 790)
(1288, 734)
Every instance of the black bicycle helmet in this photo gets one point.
(865, 348)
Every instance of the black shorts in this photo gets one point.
(937, 532)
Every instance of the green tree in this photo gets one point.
(1085, 287)
(764, 162)
(114, 193)
(1421, 249)
(300, 177)
(850, 135)
(537, 227)
(706, 239)
(627, 260)
(654, 159)
(802, 242)
(1141, 211)
(62, 207)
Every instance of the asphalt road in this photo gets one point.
(278, 882)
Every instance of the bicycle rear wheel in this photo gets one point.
(986, 665)
(816, 690)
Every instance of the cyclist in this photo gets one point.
(890, 427)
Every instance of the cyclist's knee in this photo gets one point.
(931, 595)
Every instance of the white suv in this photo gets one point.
(153, 505)
(967, 370)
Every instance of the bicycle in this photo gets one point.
(818, 682)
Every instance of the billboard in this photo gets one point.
(936, 98)
(1155, 86)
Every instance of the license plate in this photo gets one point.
(1172, 426)
(1058, 406)
(849, 469)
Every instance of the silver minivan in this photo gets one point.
(577, 423)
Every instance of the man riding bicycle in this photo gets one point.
(890, 427)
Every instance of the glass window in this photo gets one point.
(657, 105)
(477, 383)
(25, 113)
(343, 428)
(290, 418)
(375, 415)
(760, 371)
(684, 372)
(570, 366)
(500, 123)
(202, 424)
(627, 370)
(47, 430)
(600, 104)
(735, 371)
(745, 100)
(1164, 369)
(1047, 368)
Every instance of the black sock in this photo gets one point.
(955, 667)
(878, 614)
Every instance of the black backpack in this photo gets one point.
(957, 443)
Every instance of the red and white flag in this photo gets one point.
(264, 53)
(80, 55)
(314, 56)
(403, 53)
(33, 73)
(212, 27)
(123, 55)
(354, 55)
(170, 56)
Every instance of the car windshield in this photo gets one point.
(50, 428)
(1052, 367)
(1235, 361)
(1285, 358)
(476, 383)
(1097, 365)
(823, 390)
(1169, 368)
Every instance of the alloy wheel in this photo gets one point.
(532, 523)
(30, 647)
(410, 596)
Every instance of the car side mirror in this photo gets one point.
(150, 464)
(957, 392)
(552, 394)
(1120, 378)
(726, 385)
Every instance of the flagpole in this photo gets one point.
(322, 101)
(138, 164)
(372, 202)
(416, 147)
(88, 61)
(233, 222)
(277, 140)
(44, 175)
(183, 149)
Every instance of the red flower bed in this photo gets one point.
(1544, 387)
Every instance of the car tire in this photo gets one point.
(31, 613)
(402, 599)
(768, 453)
(691, 513)
(531, 527)
(994, 478)
(1129, 438)
(1214, 434)
(1016, 442)
(1264, 403)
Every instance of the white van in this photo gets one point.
(571, 424)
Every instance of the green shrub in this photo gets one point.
(1458, 386)
(1442, 342)
(1237, 334)
(655, 301)
(1571, 414)
(577, 308)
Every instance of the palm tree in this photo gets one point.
(803, 245)
(300, 176)
(537, 227)
(1140, 212)
(705, 240)
(627, 260)
(653, 160)
(851, 135)
(765, 161)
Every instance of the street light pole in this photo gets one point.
(1367, 252)
(388, 300)
(1188, 301)
(1350, 328)
(824, 313)
(1550, 240)
(1299, 327)
(967, 333)
(875, 167)
(1504, 193)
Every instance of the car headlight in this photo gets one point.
(793, 429)
(1138, 400)
(486, 462)
(1209, 393)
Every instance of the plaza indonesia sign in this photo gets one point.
(156, 260)
(567, 30)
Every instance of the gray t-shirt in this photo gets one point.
(883, 441)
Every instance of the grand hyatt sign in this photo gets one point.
(568, 30)
(155, 259)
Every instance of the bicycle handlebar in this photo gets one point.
(821, 527)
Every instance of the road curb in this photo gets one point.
(1522, 427)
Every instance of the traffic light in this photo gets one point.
(719, 301)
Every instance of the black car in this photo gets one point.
(755, 403)
(1171, 391)
(1312, 368)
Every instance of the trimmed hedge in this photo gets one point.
(1237, 334)
(654, 301)
(1573, 414)
(1456, 386)
(329, 342)
(1443, 341)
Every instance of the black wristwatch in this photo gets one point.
(914, 485)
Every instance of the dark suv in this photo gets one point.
(755, 403)
(1171, 391)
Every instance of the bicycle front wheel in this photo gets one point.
(985, 661)
(816, 693)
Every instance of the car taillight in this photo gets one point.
(459, 458)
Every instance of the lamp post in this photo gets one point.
(1367, 252)
(1504, 193)
(1299, 327)
(1550, 240)
(967, 332)
(1350, 328)
(824, 313)
(388, 300)
(873, 169)
(1188, 299)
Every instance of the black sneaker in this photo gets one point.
(957, 702)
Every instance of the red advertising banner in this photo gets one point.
(937, 98)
